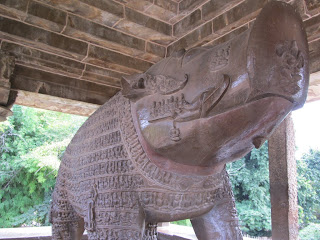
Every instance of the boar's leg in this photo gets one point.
(68, 230)
(66, 224)
(221, 222)
(115, 223)
(150, 232)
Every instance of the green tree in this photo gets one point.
(31, 143)
(308, 168)
(312, 232)
(250, 182)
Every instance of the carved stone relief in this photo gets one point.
(6, 69)
(157, 150)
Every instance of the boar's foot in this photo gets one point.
(67, 230)
(118, 224)
(114, 234)
(150, 231)
(221, 222)
(66, 223)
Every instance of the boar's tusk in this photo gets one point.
(215, 96)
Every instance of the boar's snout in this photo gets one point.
(277, 57)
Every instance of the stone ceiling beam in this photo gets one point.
(34, 80)
(45, 61)
(52, 103)
(314, 49)
(314, 87)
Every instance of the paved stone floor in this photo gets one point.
(171, 232)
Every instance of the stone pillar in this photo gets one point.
(283, 182)
(6, 97)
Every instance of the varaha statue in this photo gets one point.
(156, 151)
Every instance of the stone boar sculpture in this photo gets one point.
(156, 151)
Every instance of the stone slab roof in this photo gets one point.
(71, 54)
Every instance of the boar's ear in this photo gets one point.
(131, 88)
(125, 86)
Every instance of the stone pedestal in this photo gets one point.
(283, 182)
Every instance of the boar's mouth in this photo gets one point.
(179, 110)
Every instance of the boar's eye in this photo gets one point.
(141, 83)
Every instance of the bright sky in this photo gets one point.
(307, 127)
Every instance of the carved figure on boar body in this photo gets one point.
(156, 152)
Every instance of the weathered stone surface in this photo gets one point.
(312, 4)
(60, 86)
(60, 91)
(88, 30)
(7, 63)
(312, 26)
(163, 236)
(189, 4)
(100, 79)
(139, 5)
(283, 182)
(144, 32)
(191, 39)
(4, 113)
(20, 5)
(84, 10)
(314, 89)
(167, 4)
(39, 35)
(301, 8)
(187, 23)
(43, 76)
(156, 49)
(102, 76)
(118, 61)
(214, 7)
(28, 233)
(147, 21)
(14, 9)
(108, 37)
(104, 72)
(314, 49)
(243, 10)
(221, 39)
(34, 58)
(46, 17)
(108, 6)
(4, 93)
(52, 103)
(44, 233)
(159, 13)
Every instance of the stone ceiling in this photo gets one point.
(71, 54)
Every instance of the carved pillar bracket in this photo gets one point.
(7, 63)
(283, 182)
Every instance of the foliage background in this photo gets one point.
(32, 143)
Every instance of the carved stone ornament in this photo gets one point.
(6, 69)
(156, 152)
